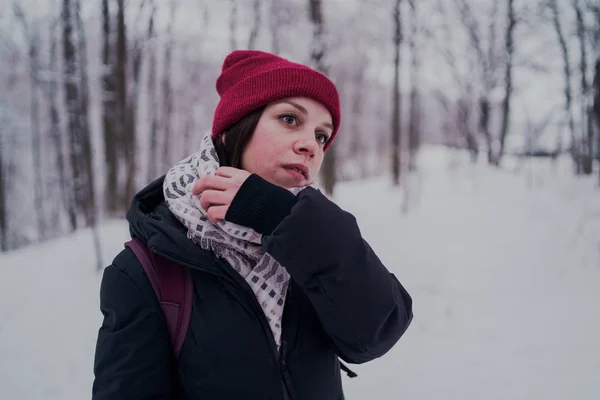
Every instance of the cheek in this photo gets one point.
(248, 159)
(318, 161)
(257, 159)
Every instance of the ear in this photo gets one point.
(222, 137)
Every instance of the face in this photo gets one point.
(286, 148)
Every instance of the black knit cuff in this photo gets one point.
(260, 205)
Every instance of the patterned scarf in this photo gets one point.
(238, 245)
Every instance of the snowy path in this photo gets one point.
(506, 292)
(507, 306)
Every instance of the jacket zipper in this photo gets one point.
(279, 354)
(234, 276)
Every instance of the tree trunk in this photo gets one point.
(509, 43)
(72, 110)
(109, 115)
(275, 25)
(318, 54)
(415, 109)
(256, 25)
(167, 93)
(594, 8)
(567, 73)
(9, 151)
(356, 113)
(86, 139)
(484, 126)
(33, 42)
(121, 106)
(487, 68)
(491, 61)
(36, 136)
(463, 111)
(131, 118)
(396, 105)
(462, 114)
(56, 135)
(597, 108)
(586, 152)
(3, 190)
(233, 25)
(90, 211)
(153, 157)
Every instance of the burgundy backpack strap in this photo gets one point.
(173, 286)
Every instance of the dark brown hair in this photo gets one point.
(236, 139)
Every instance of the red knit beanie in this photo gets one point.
(252, 79)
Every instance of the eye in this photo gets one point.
(289, 119)
(322, 138)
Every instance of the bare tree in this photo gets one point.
(10, 151)
(587, 128)
(357, 101)
(533, 132)
(275, 24)
(72, 94)
(463, 120)
(8, 148)
(167, 89)
(256, 25)
(597, 106)
(121, 120)
(487, 67)
(86, 142)
(567, 76)
(461, 114)
(33, 42)
(282, 21)
(396, 103)
(233, 24)
(594, 8)
(458, 124)
(115, 105)
(56, 136)
(136, 44)
(152, 101)
(3, 190)
(508, 83)
(91, 212)
(317, 55)
(109, 113)
(414, 135)
(76, 92)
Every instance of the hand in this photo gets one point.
(217, 191)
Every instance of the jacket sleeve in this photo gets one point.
(133, 357)
(362, 306)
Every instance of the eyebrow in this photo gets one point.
(304, 111)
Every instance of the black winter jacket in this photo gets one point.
(342, 302)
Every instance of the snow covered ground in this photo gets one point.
(503, 266)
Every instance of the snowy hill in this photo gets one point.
(503, 266)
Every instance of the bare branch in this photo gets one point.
(472, 26)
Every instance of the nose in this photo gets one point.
(306, 144)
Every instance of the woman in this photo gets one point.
(284, 284)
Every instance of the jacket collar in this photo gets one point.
(153, 223)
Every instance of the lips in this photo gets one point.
(299, 168)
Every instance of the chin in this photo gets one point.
(286, 185)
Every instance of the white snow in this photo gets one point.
(503, 266)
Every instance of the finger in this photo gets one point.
(228, 172)
(209, 182)
(214, 197)
(217, 213)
